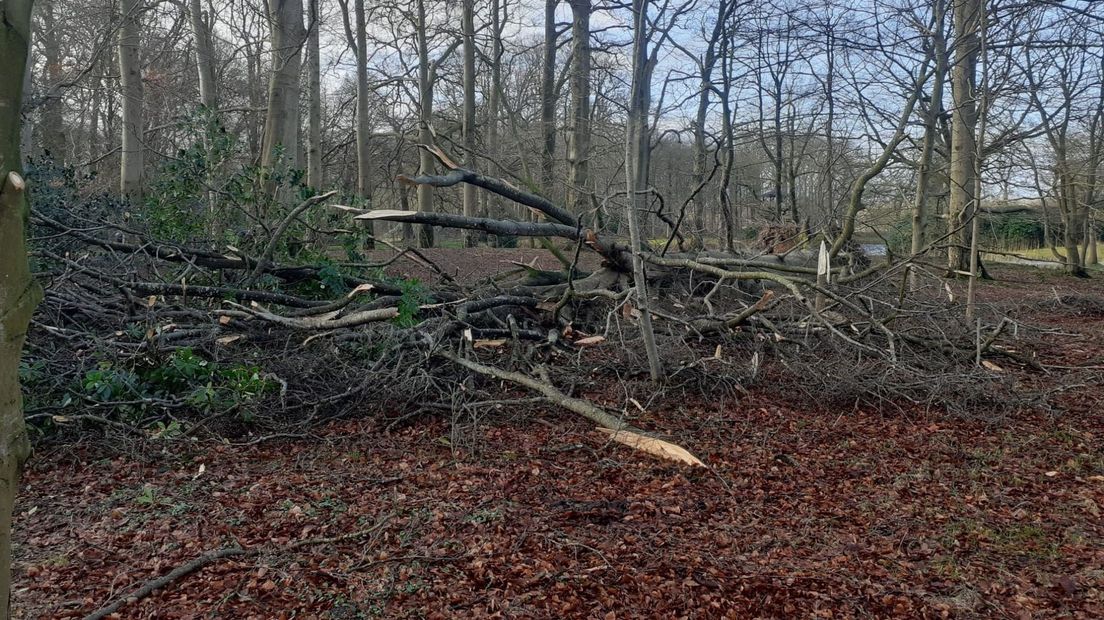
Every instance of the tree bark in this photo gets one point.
(931, 135)
(778, 159)
(636, 175)
(468, 26)
(53, 119)
(204, 53)
(548, 102)
(363, 129)
(282, 117)
(425, 118)
(19, 293)
(494, 103)
(548, 97)
(967, 14)
(705, 92)
(578, 140)
(314, 85)
(130, 79)
(729, 211)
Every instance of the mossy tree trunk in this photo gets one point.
(18, 292)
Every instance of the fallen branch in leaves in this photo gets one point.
(555, 396)
(211, 557)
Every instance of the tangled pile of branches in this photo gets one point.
(141, 334)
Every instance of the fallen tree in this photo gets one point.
(722, 320)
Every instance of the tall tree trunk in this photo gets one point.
(792, 164)
(778, 160)
(53, 119)
(1073, 214)
(93, 139)
(314, 85)
(253, 130)
(729, 211)
(281, 128)
(425, 118)
(578, 140)
(548, 97)
(1096, 158)
(204, 52)
(26, 135)
(130, 78)
(205, 67)
(19, 294)
(363, 130)
(1091, 255)
(967, 14)
(931, 135)
(829, 198)
(637, 146)
(470, 197)
(705, 92)
(547, 104)
(494, 103)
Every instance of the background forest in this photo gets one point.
(759, 113)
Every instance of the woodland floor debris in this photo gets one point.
(806, 510)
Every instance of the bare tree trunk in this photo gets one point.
(728, 211)
(830, 126)
(19, 294)
(282, 118)
(26, 134)
(778, 160)
(93, 139)
(967, 14)
(130, 78)
(205, 60)
(253, 71)
(404, 204)
(705, 92)
(314, 85)
(1073, 219)
(931, 135)
(792, 164)
(1096, 158)
(205, 67)
(1091, 257)
(548, 97)
(363, 130)
(425, 118)
(578, 140)
(548, 102)
(979, 159)
(53, 120)
(636, 179)
(470, 197)
(494, 104)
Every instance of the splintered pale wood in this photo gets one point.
(653, 446)
(385, 213)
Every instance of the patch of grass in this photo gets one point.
(1027, 541)
(483, 515)
(947, 567)
(333, 504)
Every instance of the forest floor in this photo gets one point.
(803, 512)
